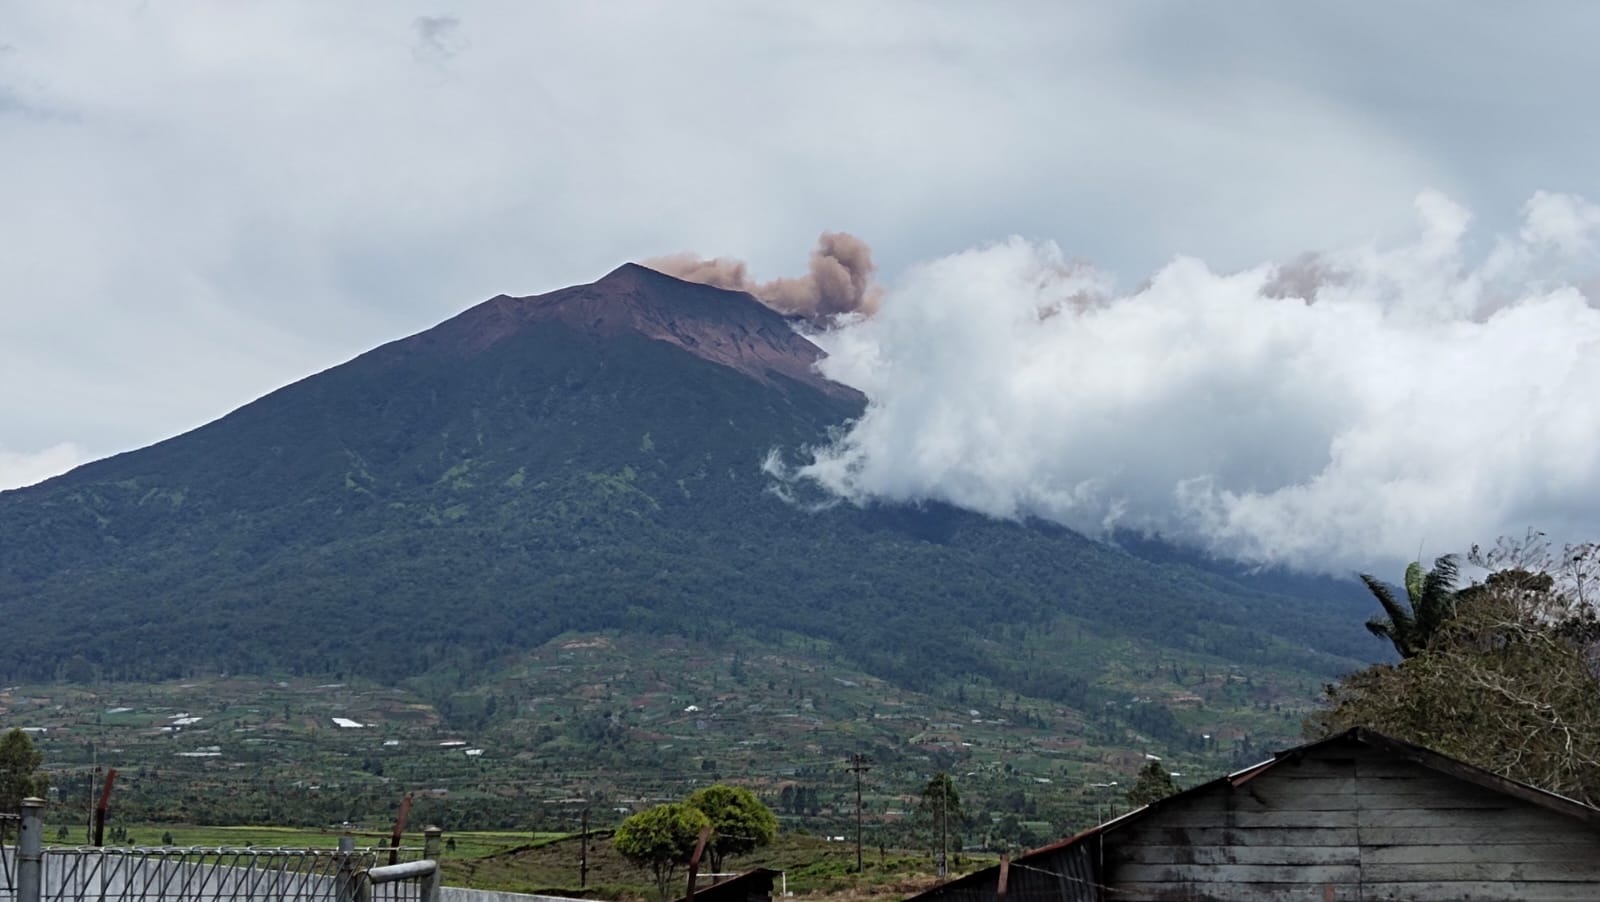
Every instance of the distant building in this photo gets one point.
(1355, 816)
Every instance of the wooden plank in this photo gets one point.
(1457, 890)
(1431, 800)
(1513, 853)
(1234, 836)
(1465, 817)
(1396, 767)
(1260, 819)
(1490, 871)
(1255, 892)
(1309, 768)
(1314, 875)
(1264, 800)
(1407, 773)
(1420, 784)
(1216, 855)
(1291, 786)
(1493, 833)
(1330, 795)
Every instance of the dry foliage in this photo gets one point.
(1508, 683)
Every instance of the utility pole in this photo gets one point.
(944, 844)
(94, 771)
(583, 860)
(858, 766)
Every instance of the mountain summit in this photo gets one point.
(587, 459)
(729, 328)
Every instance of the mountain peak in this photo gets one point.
(632, 274)
(728, 328)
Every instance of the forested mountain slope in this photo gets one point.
(586, 459)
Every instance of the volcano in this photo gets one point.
(586, 459)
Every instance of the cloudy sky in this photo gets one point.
(201, 202)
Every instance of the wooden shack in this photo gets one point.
(1356, 816)
(754, 885)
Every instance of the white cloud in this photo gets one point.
(1566, 221)
(205, 203)
(1416, 400)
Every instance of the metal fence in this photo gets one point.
(10, 830)
(29, 872)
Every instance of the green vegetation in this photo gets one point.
(940, 810)
(661, 839)
(19, 766)
(1153, 784)
(603, 721)
(1502, 677)
(740, 822)
(1430, 603)
(812, 865)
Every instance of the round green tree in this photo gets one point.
(740, 822)
(661, 838)
(18, 762)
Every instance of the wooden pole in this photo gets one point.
(694, 861)
(583, 855)
(100, 808)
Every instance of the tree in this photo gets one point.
(1430, 600)
(740, 822)
(18, 762)
(1153, 784)
(661, 838)
(1507, 682)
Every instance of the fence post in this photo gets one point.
(432, 847)
(345, 877)
(30, 851)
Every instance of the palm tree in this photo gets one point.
(1431, 600)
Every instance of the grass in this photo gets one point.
(812, 867)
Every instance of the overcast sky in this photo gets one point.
(201, 202)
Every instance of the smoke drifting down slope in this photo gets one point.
(839, 279)
(1332, 413)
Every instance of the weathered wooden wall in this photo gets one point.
(1349, 823)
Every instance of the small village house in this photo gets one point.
(1356, 816)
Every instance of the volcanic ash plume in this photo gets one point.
(839, 280)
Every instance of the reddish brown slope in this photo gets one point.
(729, 328)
